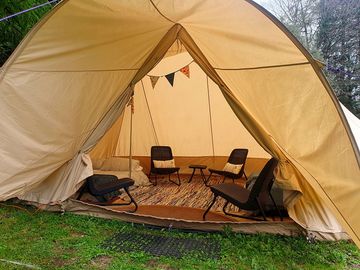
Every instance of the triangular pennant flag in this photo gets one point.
(170, 78)
(154, 80)
(186, 71)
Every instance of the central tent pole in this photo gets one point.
(131, 103)
(210, 117)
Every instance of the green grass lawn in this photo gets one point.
(53, 241)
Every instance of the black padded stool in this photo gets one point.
(201, 168)
(101, 185)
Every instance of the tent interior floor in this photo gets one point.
(185, 202)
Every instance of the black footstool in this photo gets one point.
(103, 185)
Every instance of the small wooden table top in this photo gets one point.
(197, 166)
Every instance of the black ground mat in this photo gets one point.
(164, 245)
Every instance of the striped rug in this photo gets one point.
(194, 194)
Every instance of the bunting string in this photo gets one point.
(341, 70)
(171, 76)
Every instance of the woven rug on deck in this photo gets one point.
(194, 194)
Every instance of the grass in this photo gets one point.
(53, 241)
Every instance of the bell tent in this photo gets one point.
(204, 77)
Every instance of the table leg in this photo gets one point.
(193, 172)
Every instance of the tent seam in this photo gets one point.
(157, 9)
(174, 71)
(265, 67)
(79, 71)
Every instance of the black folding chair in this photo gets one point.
(162, 153)
(250, 200)
(237, 156)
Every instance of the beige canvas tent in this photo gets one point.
(252, 84)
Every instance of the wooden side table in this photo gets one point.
(201, 168)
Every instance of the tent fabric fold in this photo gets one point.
(65, 88)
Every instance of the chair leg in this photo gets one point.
(240, 216)
(207, 180)
(277, 208)
(245, 176)
(179, 183)
(192, 175)
(224, 207)
(178, 177)
(212, 203)
(155, 183)
(131, 200)
(224, 179)
(261, 209)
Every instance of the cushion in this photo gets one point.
(97, 163)
(232, 168)
(139, 177)
(164, 163)
(119, 164)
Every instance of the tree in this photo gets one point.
(301, 18)
(338, 40)
(14, 29)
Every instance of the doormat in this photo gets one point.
(157, 245)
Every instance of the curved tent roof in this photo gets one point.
(72, 76)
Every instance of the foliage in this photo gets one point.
(339, 42)
(13, 30)
(55, 241)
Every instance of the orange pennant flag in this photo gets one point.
(186, 71)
